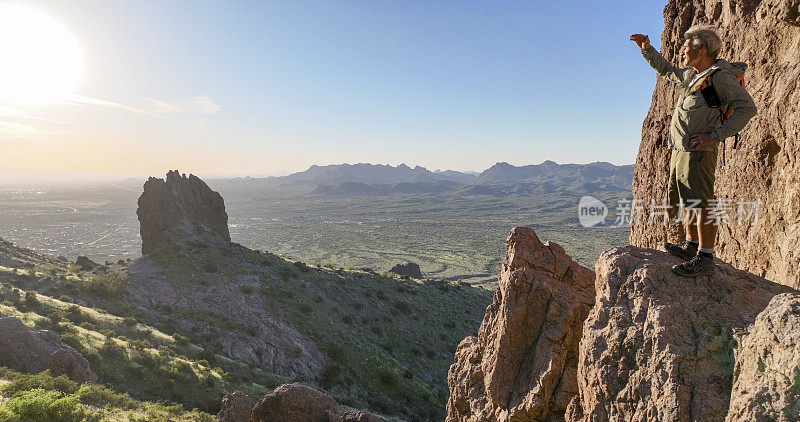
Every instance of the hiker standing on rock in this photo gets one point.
(712, 106)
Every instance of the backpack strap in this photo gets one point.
(709, 92)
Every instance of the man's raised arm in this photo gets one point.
(664, 68)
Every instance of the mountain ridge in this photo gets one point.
(499, 173)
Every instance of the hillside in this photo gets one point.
(193, 321)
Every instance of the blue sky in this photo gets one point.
(252, 88)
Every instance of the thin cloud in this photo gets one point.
(17, 128)
(80, 99)
(198, 105)
(203, 105)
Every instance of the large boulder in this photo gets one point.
(85, 263)
(295, 403)
(657, 346)
(235, 407)
(766, 164)
(179, 209)
(523, 363)
(409, 269)
(766, 382)
(32, 351)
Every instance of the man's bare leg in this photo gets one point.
(690, 225)
(707, 229)
(703, 262)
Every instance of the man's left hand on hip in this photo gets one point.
(698, 140)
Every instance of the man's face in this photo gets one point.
(690, 56)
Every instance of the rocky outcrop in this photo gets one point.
(523, 363)
(289, 403)
(295, 403)
(28, 350)
(766, 165)
(179, 209)
(766, 384)
(657, 346)
(236, 407)
(86, 264)
(409, 269)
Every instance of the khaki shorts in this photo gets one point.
(691, 178)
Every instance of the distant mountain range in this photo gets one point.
(500, 173)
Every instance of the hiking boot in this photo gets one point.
(685, 250)
(698, 265)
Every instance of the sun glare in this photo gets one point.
(40, 60)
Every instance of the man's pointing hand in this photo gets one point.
(643, 41)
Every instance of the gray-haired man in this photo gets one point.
(696, 130)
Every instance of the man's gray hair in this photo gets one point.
(705, 35)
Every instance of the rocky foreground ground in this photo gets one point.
(631, 342)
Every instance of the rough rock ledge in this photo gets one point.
(638, 344)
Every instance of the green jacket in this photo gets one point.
(692, 114)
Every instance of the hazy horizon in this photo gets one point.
(111, 178)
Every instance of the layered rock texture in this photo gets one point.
(180, 209)
(765, 166)
(657, 346)
(638, 344)
(522, 366)
(28, 350)
(766, 383)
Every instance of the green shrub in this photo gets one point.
(180, 339)
(105, 284)
(88, 326)
(7, 416)
(43, 324)
(130, 321)
(287, 273)
(100, 396)
(329, 375)
(294, 353)
(72, 340)
(140, 344)
(31, 301)
(246, 289)
(45, 406)
(113, 350)
(210, 267)
(22, 382)
(402, 306)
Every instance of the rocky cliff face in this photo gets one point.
(180, 208)
(522, 365)
(652, 346)
(767, 372)
(766, 165)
